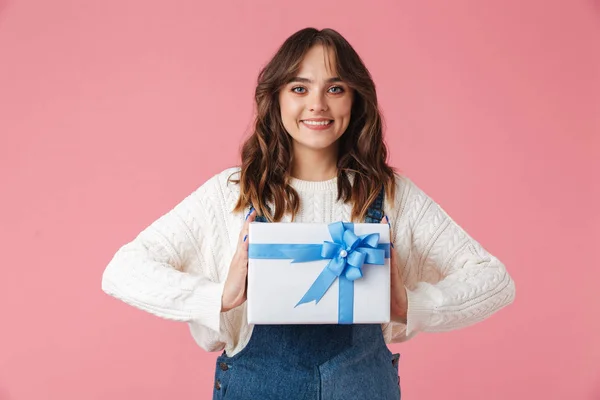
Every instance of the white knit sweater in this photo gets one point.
(176, 268)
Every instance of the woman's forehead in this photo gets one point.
(319, 63)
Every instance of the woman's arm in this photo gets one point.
(162, 270)
(451, 280)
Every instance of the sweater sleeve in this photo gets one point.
(455, 282)
(161, 270)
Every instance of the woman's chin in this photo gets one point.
(315, 145)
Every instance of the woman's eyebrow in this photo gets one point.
(306, 80)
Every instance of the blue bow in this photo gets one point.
(347, 253)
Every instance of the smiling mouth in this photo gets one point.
(320, 123)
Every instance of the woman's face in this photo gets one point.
(316, 104)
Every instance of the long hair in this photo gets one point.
(267, 155)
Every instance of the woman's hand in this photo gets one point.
(398, 296)
(234, 292)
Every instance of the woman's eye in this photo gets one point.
(298, 89)
(334, 90)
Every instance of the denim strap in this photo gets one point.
(374, 212)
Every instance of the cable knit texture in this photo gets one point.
(176, 268)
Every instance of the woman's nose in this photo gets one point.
(317, 103)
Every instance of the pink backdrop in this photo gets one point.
(111, 112)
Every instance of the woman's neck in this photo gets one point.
(311, 165)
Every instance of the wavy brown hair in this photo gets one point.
(267, 154)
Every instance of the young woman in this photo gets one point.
(316, 155)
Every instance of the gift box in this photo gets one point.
(309, 273)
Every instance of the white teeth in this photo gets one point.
(317, 122)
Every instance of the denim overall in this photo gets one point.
(312, 362)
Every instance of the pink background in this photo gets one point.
(111, 112)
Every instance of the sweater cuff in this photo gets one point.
(420, 309)
(207, 310)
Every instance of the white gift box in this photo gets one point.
(276, 285)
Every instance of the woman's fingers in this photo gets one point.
(385, 220)
(245, 229)
(234, 292)
(249, 218)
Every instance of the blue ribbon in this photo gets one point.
(347, 254)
